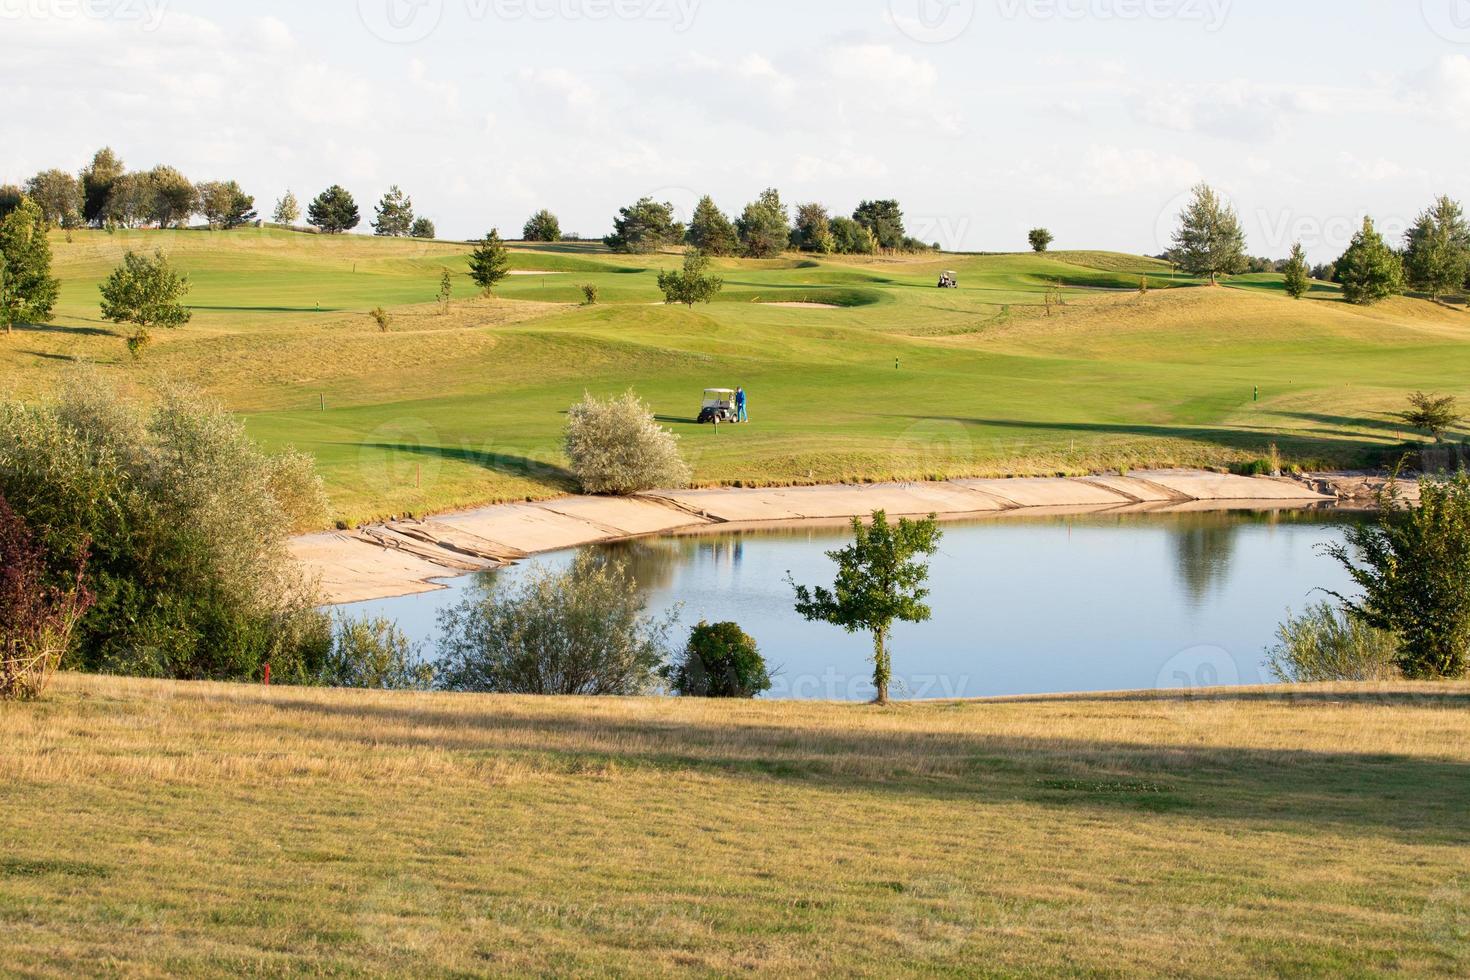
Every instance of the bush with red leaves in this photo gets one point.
(37, 620)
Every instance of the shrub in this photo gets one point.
(381, 318)
(374, 654)
(720, 661)
(1328, 644)
(185, 524)
(37, 620)
(617, 447)
(582, 631)
(692, 285)
(589, 294)
(1413, 566)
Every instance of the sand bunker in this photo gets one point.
(534, 272)
(804, 306)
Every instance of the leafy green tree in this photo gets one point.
(542, 226)
(880, 580)
(1413, 568)
(1209, 241)
(288, 210)
(1369, 270)
(1040, 239)
(10, 198)
(692, 284)
(132, 201)
(1435, 414)
(374, 655)
(59, 196)
(174, 197)
(813, 229)
(97, 180)
(1437, 253)
(334, 211)
(28, 291)
(489, 262)
(1297, 276)
(764, 226)
(615, 446)
(225, 205)
(851, 238)
(645, 226)
(711, 231)
(719, 661)
(394, 214)
(145, 292)
(885, 220)
(423, 228)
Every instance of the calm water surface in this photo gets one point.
(1021, 606)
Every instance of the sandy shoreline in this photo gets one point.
(406, 557)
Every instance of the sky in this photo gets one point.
(984, 118)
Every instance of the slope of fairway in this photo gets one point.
(1042, 364)
(177, 829)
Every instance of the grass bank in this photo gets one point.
(156, 828)
(900, 381)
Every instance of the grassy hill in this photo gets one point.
(900, 380)
(162, 829)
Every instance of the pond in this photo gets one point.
(1021, 606)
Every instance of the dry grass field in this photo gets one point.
(163, 829)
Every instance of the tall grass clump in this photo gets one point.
(617, 447)
(1329, 644)
(582, 631)
(183, 523)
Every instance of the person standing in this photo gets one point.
(740, 415)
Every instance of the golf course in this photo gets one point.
(858, 368)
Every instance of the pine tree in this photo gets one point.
(489, 262)
(27, 289)
(1298, 277)
(710, 231)
(1209, 241)
(334, 211)
(1437, 254)
(395, 214)
(1369, 270)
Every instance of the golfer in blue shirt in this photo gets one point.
(740, 415)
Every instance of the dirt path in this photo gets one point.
(406, 557)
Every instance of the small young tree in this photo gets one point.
(1369, 270)
(334, 211)
(542, 226)
(1413, 568)
(720, 661)
(589, 294)
(1209, 241)
(880, 580)
(146, 293)
(28, 291)
(1040, 239)
(645, 226)
(381, 318)
(225, 205)
(288, 210)
(1437, 249)
(489, 262)
(1435, 414)
(1298, 278)
(764, 227)
(446, 292)
(581, 632)
(394, 214)
(710, 231)
(37, 621)
(693, 284)
(374, 654)
(423, 228)
(616, 446)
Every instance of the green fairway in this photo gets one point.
(899, 380)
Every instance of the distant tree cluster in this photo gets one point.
(764, 229)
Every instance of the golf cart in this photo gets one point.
(719, 406)
(948, 280)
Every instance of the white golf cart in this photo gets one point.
(719, 406)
